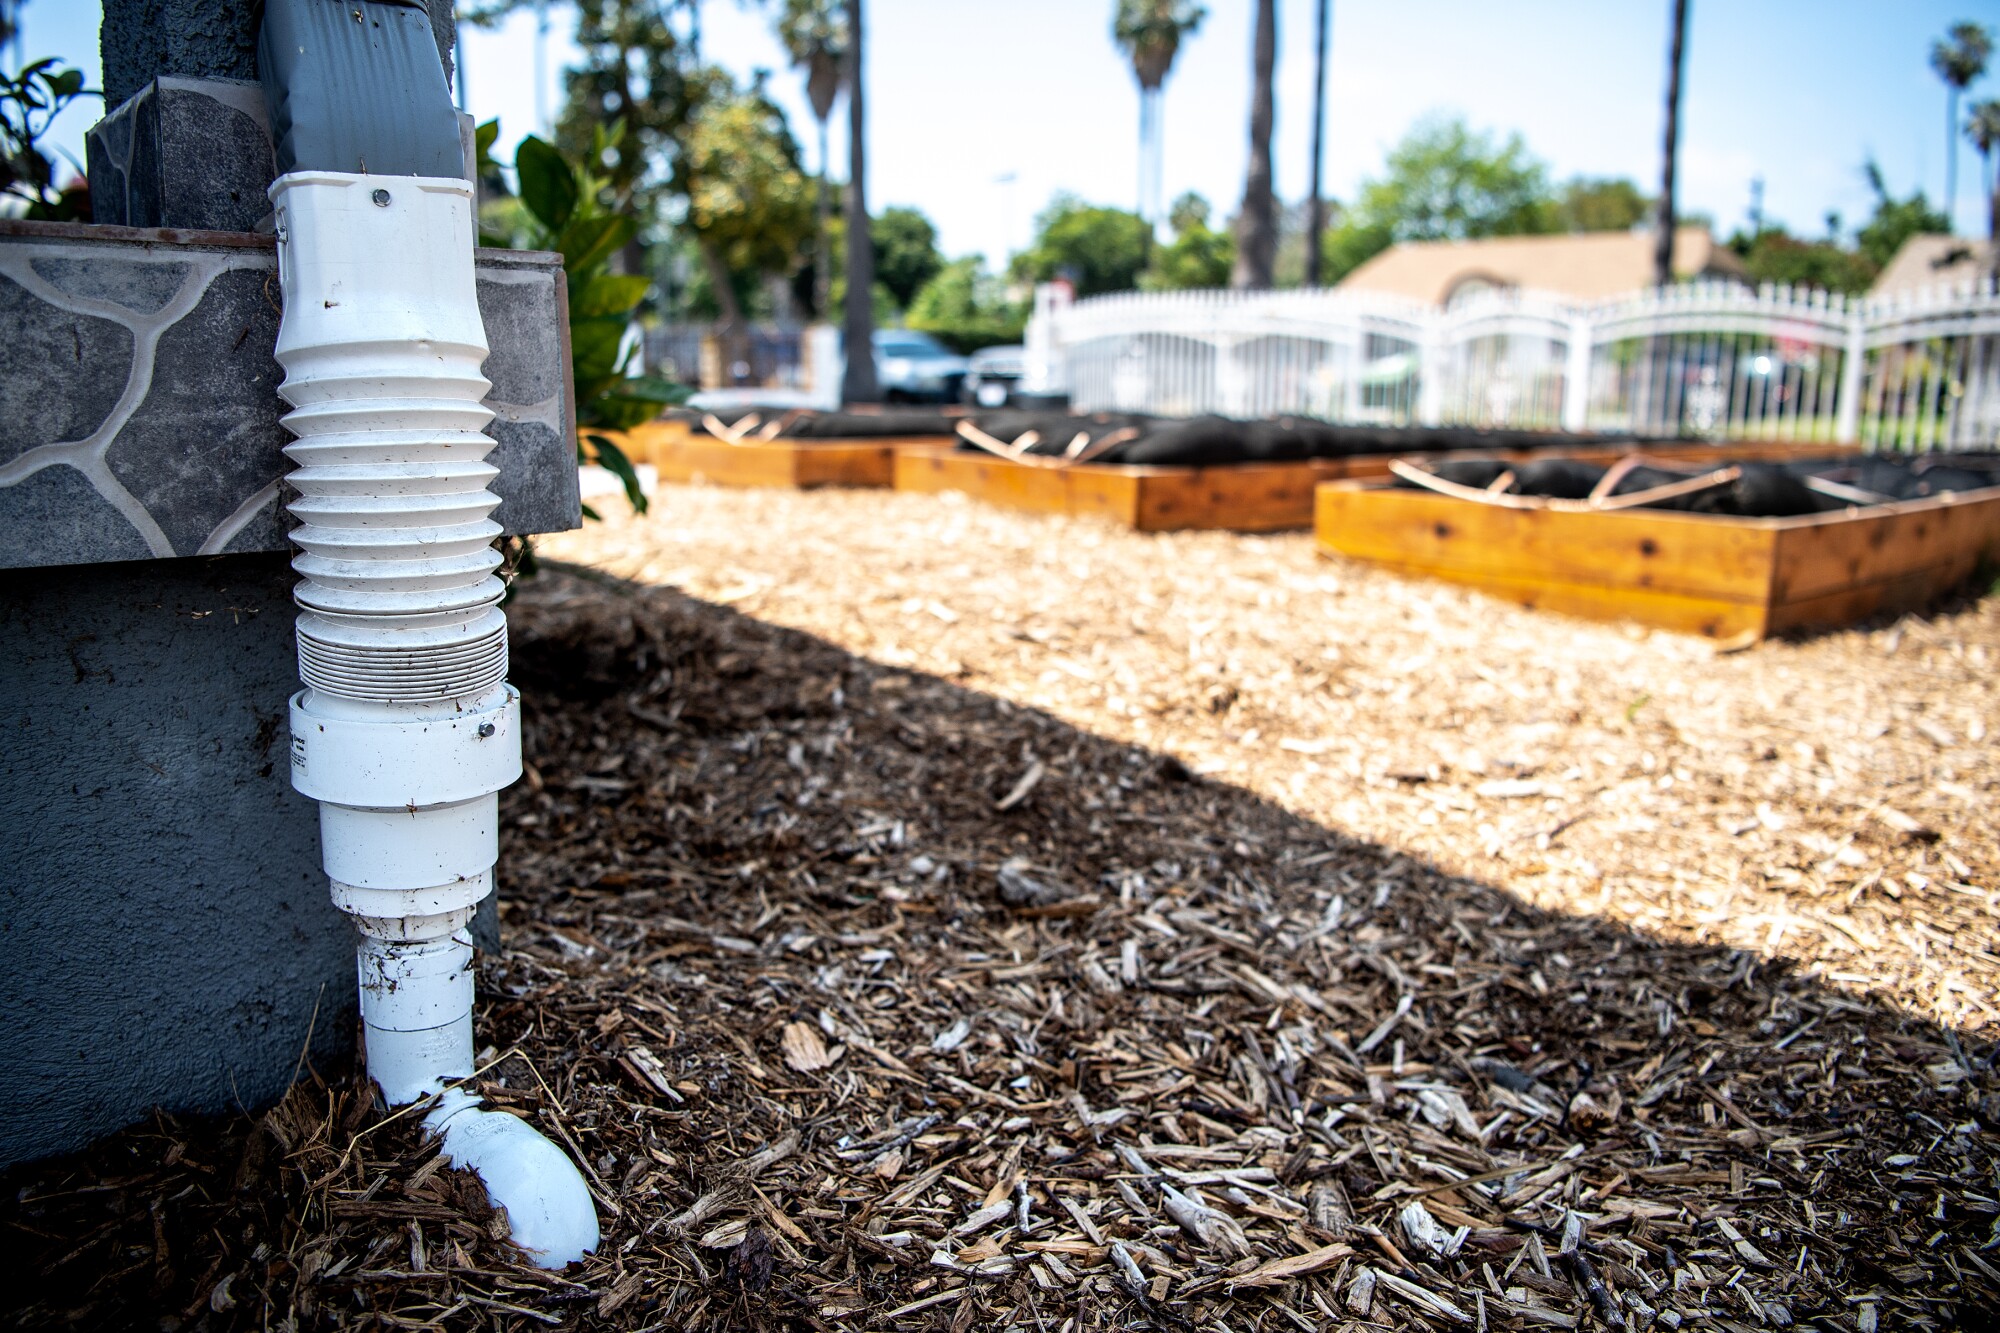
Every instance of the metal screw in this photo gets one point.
(485, 730)
(381, 198)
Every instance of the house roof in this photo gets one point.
(1933, 261)
(1587, 266)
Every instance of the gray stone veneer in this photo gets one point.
(139, 415)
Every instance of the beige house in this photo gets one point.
(1934, 261)
(1586, 266)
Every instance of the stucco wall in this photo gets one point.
(165, 930)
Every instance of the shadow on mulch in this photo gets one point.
(873, 1002)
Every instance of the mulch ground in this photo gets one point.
(919, 916)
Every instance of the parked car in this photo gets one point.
(912, 367)
(993, 375)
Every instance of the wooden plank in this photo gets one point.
(1244, 497)
(704, 458)
(1685, 613)
(1829, 553)
(1652, 551)
(1909, 591)
(1042, 490)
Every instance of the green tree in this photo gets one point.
(1774, 255)
(967, 308)
(1097, 249)
(1609, 203)
(1895, 220)
(906, 252)
(1444, 182)
(1198, 256)
(1150, 33)
(1959, 57)
(641, 74)
(749, 206)
(889, 308)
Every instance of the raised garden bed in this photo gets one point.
(682, 450)
(1719, 576)
(798, 463)
(1239, 497)
(1245, 497)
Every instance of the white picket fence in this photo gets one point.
(1710, 360)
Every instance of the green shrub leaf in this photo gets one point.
(548, 186)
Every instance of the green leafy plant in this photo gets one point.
(29, 102)
(564, 210)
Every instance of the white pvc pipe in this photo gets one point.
(407, 730)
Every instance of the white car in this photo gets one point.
(994, 374)
(912, 367)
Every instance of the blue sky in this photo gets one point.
(962, 92)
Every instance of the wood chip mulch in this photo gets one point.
(961, 919)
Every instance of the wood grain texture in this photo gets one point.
(1243, 498)
(681, 456)
(1692, 573)
(1686, 554)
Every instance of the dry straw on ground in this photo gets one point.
(931, 917)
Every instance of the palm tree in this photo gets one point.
(1663, 240)
(815, 36)
(1959, 57)
(1257, 221)
(1316, 215)
(1982, 126)
(1150, 33)
(858, 384)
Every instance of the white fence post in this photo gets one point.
(1047, 368)
(1576, 376)
(1430, 377)
(1847, 412)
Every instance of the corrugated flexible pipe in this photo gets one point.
(406, 730)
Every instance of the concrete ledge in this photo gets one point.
(139, 408)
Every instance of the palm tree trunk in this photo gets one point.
(1145, 191)
(1316, 218)
(1149, 149)
(1663, 240)
(1951, 156)
(1257, 222)
(858, 385)
(823, 253)
(1990, 169)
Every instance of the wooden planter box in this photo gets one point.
(1244, 497)
(1701, 574)
(1239, 497)
(680, 456)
